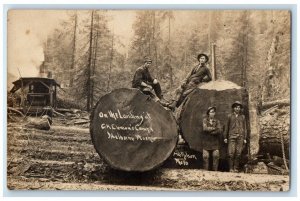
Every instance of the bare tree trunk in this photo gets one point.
(209, 29)
(153, 38)
(245, 51)
(213, 62)
(88, 102)
(93, 70)
(266, 85)
(151, 19)
(169, 47)
(155, 45)
(266, 90)
(110, 63)
(74, 51)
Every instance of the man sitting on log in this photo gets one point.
(143, 81)
(235, 135)
(199, 74)
(212, 130)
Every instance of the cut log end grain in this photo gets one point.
(131, 131)
(220, 85)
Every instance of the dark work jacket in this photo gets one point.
(141, 75)
(235, 127)
(198, 74)
(212, 132)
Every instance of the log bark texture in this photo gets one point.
(280, 103)
(275, 132)
(131, 131)
(221, 94)
(43, 123)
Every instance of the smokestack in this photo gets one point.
(43, 70)
(213, 61)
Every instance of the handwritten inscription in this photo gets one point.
(118, 115)
(130, 138)
(184, 155)
(181, 158)
(181, 161)
(114, 129)
(126, 128)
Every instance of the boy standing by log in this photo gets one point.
(235, 135)
(199, 74)
(212, 130)
(143, 81)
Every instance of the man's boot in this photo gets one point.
(172, 105)
(205, 156)
(164, 102)
(236, 164)
(216, 157)
(230, 163)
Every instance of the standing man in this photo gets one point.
(212, 130)
(143, 81)
(235, 135)
(199, 74)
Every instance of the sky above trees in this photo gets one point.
(29, 29)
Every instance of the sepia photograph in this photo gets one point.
(149, 100)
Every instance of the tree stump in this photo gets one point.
(131, 131)
(221, 94)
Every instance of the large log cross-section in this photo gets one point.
(131, 131)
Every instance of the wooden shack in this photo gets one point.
(35, 94)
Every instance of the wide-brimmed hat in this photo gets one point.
(200, 55)
(237, 103)
(147, 59)
(210, 108)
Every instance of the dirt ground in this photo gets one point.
(64, 158)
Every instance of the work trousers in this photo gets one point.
(215, 158)
(235, 148)
(182, 92)
(157, 91)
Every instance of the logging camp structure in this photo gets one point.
(35, 94)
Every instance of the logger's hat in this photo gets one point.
(211, 108)
(237, 103)
(200, 55)
(147, 59)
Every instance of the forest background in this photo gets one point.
(89, 58)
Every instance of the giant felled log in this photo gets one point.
(281, 103)
(131, 131)
(221, 94)
(275, 133)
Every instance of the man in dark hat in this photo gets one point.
(143, 81)
(235, 135)
(212, 130)
(199, 74)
